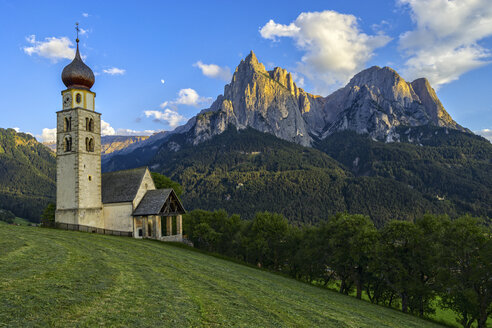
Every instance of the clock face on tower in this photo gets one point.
(67, 101)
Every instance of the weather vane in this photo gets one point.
(77, 29)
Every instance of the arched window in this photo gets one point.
(89, 124)
(78, 98)
(68, 144)
(89, 144)
(67, 124)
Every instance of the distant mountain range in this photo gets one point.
(379, 146)
(109, 144)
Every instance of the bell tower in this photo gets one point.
(78, 150)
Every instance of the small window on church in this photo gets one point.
(68, 144)
(68, 124)
(89, 144)
(78, 98)
(90, 177)
(89, 124)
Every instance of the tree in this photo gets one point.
(267, 240)
(311, 255)
(213, 231)
(350, 239)
(48, 216)
(428, 249)
(466, 274)
(162, 182)
(397, 262)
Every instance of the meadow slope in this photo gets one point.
(61, 278)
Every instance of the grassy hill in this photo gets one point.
(62, 278)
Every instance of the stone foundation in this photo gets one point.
(175, 238)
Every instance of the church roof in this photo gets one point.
(159, 202)
(77, 74)
(121, 186)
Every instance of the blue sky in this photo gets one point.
(194, 46)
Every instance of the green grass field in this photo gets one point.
(61, 278)
(21, 221)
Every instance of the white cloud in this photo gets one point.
(445, 42)
(334, 47)
(83, 31)
(170, 117)
(214, 71)
(47, 135)
(162, 81)
(272, 30)
(107, 129)
(52, 48)
(16, 129)
(130, 132)
(486, 133)
(85, 15)
(114, 71)
(188, 97)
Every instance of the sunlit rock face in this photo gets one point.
(378, 99)
(375, 101)
(266, 101)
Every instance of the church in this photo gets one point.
(124, 203)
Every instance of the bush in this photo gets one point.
(48, 216)
(7, 216)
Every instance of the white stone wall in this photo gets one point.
(147, 184)
(92, 217)
(66, 216)
(66, 186)
(89, 174)
(118, 216)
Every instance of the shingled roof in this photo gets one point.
(155, 203)
(121, 186)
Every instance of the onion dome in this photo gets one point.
(77, 74)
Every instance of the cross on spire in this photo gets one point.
(77, 29)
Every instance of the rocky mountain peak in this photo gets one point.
(375, 101)
(384, 81)
(432, 104)
(250, 64)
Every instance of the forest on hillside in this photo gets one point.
(432, 170)
(27, 175)
(248, 171)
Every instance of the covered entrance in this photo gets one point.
(159, 216)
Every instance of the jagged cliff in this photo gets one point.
(268, 101)
(375, 101)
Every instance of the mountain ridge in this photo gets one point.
(375, 102)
